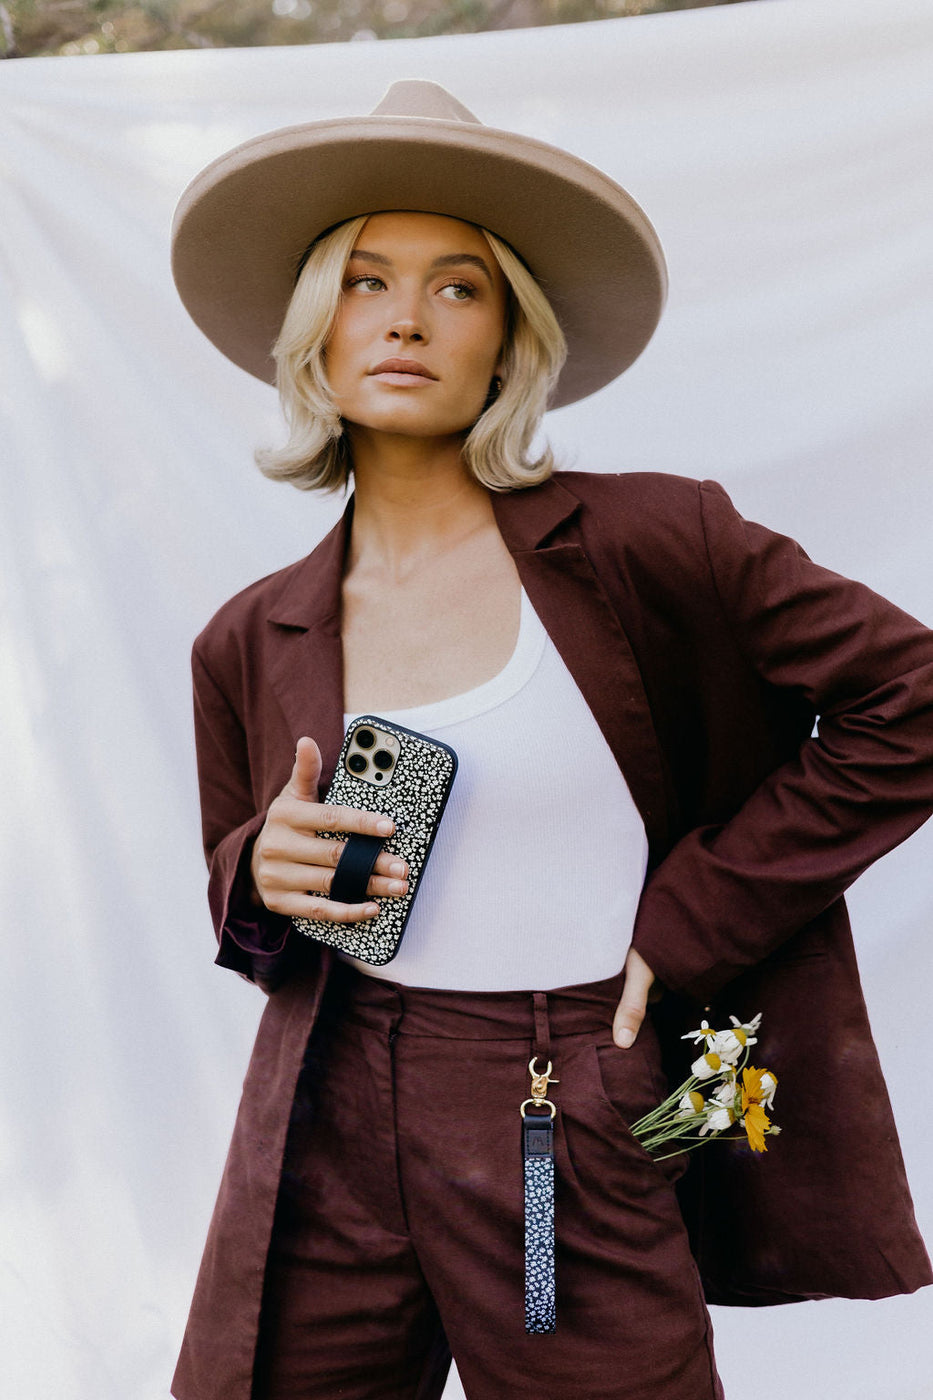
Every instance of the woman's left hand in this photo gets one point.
(630, 1011)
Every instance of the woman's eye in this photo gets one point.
(458, 291)
(366, 280)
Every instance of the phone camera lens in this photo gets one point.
(356, 763)
(365, 738)
(382, 759)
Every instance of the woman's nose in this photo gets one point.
(406, 328)
(407, 318)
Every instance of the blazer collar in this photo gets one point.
(527, 518)
(311, 595)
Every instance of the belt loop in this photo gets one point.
(542, 1027)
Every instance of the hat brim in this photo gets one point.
(242, 224)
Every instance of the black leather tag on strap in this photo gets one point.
(354, 869)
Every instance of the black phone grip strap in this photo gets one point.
(354, 868)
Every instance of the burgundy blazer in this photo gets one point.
(706, 647)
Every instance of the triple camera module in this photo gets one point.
(372, 754)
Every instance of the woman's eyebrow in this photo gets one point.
(457, 259)
(447, 260)
(371, 257)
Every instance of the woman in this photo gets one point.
(630, 674)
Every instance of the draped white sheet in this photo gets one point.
(782, 149)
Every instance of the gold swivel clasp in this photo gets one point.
(539, 1087)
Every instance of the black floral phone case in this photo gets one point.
(414, 796)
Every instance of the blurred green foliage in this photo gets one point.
(72, 27)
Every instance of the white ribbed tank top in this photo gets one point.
(540, 857)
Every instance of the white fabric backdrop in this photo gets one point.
(782, 150)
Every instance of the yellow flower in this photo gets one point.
(756, 1123)
(758, 1086)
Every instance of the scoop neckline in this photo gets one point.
(517, 671)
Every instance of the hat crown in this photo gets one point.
(415, 97)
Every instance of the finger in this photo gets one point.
(351, 819)
(315, 906)
(391, 865)
(378, 886)
(284, 845)
(306, 774)
(325, 816)
(288, 871)
(630, 1011)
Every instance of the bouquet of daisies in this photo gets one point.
(722, 1091)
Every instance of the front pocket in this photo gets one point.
(629, 1083)
(632, 1081)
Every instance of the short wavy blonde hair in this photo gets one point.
(497, 447)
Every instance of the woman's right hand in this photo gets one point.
(292, 867)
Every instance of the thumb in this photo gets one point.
(306, 773)
(630, 1011)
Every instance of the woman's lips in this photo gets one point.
(402, 372)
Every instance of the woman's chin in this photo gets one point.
(417, 427)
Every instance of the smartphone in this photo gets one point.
(384, 767)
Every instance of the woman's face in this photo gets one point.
(419, 330)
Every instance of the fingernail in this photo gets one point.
(371, 911)
(398, 867)
(398, 886)
(385, 827)
(625, 1037)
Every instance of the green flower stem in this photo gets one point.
(697, 1143)
(683, 1129)
(672, 1127)
(669, 1104)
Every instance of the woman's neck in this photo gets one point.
(414, 501)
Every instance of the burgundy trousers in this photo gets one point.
(399, 1232)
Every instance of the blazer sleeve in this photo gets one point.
(728, 895)
(252, 939)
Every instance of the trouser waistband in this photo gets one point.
(456, 1015)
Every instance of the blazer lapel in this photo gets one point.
(580, 619)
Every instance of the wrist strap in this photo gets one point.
(354, 869)
(538, 1163)
(538, 1152)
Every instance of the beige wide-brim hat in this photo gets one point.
(244, 222)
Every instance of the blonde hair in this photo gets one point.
(496, 449)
